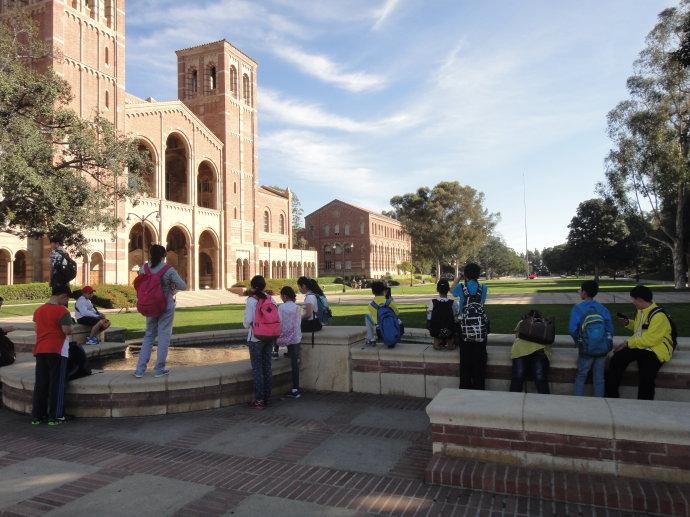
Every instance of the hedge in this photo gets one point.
(273, 284)
(108, 296)
(37, 291)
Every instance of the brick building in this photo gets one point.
(205, 202)
(351, 240)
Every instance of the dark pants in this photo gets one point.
(260, 356)
(294, 351)
(647, 364)
(472, 365)
(538, 364)
(49, 387)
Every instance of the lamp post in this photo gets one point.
(142, 220)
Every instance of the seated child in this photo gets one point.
(86, 314)
(392, 331)
(527, 355)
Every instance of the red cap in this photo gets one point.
(87, 289)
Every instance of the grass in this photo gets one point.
(21, 309)
(503, 317)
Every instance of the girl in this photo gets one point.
(291, 334)
(163, 324)
(259, 351)
(310, 288)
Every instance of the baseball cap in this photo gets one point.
(87, 289)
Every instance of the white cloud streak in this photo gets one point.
(384, 12)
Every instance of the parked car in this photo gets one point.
(532, 276)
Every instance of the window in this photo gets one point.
(211, 77)
(327, 249)
(107, 55)
(233, 80)
(336, 229)
(363, 265)
(329, 265)
(194, 82)
(282, 224)
(267, 221)
(347, 229)
(234, 187)
(246, 89)
(348, 248)
(361, 228)
(326, 230)
(107, 99)
(348, 265)
(338, 266)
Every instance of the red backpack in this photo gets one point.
(151, 300)
(266, 326)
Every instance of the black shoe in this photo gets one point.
(294, 394)
(275, 355)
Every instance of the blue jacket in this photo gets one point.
(577, 315)
(472, 287)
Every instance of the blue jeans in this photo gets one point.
(160, 327)
(538, 363)
(597, 365)
(260, 356)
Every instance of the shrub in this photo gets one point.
(273, 284)
(37, 291)
(393, 283)
(111, 296)
(338, 280)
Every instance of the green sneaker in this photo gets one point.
(56, 421)
(36, 421)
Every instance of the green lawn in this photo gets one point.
(503, 317)
(25, 309)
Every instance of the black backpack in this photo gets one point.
(674, 329)
(442, 322)
(7, 355)
(473, 321)
(65, 270)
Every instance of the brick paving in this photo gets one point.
(293, 476)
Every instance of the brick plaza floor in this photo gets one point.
(324, 454)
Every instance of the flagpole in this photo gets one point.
(524, 204)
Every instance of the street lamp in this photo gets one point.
(142, 220)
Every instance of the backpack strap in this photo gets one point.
(388, 302)
(375, 305)
(653, 313)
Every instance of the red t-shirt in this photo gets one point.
(49, 319)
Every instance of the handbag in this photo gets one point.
(537, 329)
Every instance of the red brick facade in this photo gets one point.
(352, 241)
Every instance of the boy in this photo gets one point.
(371, 320)
(53, 325)
(651, 345)
(472, 295)
(86, 314)
(585, 362)
(441, 314)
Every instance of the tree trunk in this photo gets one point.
(438, 270)
(596, 272)
(679, 270)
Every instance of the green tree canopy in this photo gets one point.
(498, 259)
(447, 223)
(59, 174)
(648, 167)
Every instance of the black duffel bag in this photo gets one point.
(537, 328)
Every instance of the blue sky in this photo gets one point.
(366, 99)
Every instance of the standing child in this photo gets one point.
(474, 328)
(291, 334)
(53, 325)
(440, 318)
(86, 314)
(592, 330)
(262, 319)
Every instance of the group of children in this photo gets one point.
(270, 326)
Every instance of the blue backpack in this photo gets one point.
(594, 339)
(389, 326)
(323, 311)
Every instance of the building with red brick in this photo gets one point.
(205, 203)
(351, 240)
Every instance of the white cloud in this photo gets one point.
(384, 12)
(293, 112)
(324, 68)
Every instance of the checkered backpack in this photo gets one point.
(473, 321)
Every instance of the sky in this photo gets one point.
(362, 100)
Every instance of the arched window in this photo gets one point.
(282, 224)
(107, 99)
(267, 221)
(246, 89)
(326, 230)
(107, 55)
(193, 81)
(211, 77)
(233, 80)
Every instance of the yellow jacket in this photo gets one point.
(380, 300)
(656, 338)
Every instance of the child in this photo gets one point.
(259, 351)
(371, 320)
(311, 291)
(471, 297)
(53, 325)
(291, 334)
(598, 315)
(86, 314)
(533, 356)
(440, 318)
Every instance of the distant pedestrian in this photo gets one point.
(53, 326)
(262, 325)
(63, 269)
(530, 356)
(592, 330)
(291, 334)
(651, 345)
(86, 314)
(474, 328)
(157, 284)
